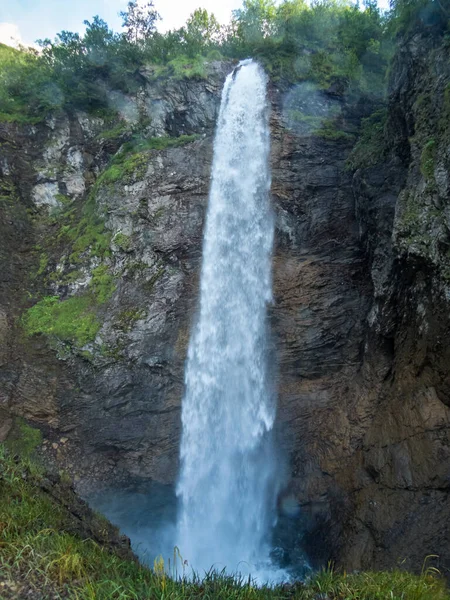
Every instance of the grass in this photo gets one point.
(38, 552)
(71, 320)
(183, 67)
(23, 439)
(74, 319)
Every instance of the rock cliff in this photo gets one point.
(113, 228)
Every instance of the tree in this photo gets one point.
(255, 20)
(202, 30)
(406, 14)
(139, 20)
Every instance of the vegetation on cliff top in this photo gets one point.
(325, 41)
(41, 555)
(336, 44)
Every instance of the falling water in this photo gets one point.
(228, 482)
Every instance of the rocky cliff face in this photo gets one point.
(359, 320)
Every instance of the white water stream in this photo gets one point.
(228, 482)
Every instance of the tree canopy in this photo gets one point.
(323, 41)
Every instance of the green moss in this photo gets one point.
(444, 117)
(329, 131)
(417, 220)
(114, 133)
(65, 200)
(123, 241)
(43, 262)
(127, 318)
(68, 320)
(130, 163)
(23, 439)
(87, 355)
(115, 352)
(8, 193)
(427, 160)
(90, 237)
(298, 117)
(124, 169)
(72, 276)
(102, 284)
(371, 145)
(20, 117)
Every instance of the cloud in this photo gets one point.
(10, 34)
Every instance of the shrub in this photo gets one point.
(371, 145)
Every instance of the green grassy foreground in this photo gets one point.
(40, 559)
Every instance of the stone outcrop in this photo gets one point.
(359, 318)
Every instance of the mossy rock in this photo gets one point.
(22, 439)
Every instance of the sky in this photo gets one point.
(25, 21)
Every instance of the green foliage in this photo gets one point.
(127, 318)
(88, 236)
(130, 163)
(26, 87)
(201, 32)
(408, 15)
(102, 284)
(185, 67)
(43, 262)
(329, 42)
(8, 193)
(371, 145)
(123, 241)
(139, 20)
(23, 439)
(329, 131)
(161, 143)
(71, 320)
(255, 21)
(326, 42)
(38, 552)
(427, 160)
(124, 168)
(114, 133)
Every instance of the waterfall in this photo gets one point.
(228, 482)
